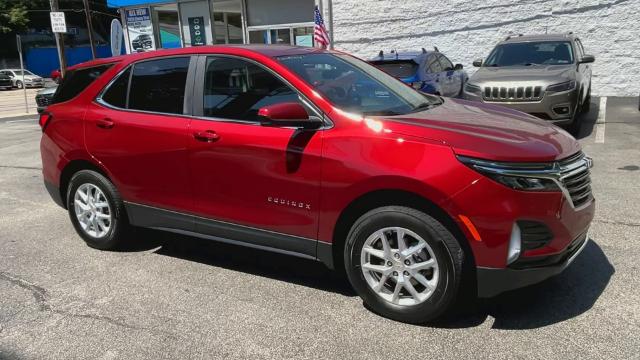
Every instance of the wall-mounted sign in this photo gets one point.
(116, 37)
(196, 29)
(58, 24)
(140, 29)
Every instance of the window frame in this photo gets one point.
(188, 89)
(198, 93)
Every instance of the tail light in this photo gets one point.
(44, 120)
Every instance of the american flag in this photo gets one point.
(320, 34)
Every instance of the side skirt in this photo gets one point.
(191, 225)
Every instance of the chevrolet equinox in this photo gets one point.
(315, 153)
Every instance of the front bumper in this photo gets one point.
(549, 108)
(493, 281)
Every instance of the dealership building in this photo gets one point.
(463, 30)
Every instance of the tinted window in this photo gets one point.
(398, 68)
(158, 85)
(531, 53)
(116, 95)
(356, 86)
(446, 64)
(237, 89)
(77, 80)
(433, 65)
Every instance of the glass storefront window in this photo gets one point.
(281, 36)
(234, 27)
(227, 19)
(259, 37)
(168, 26)
(303, 36)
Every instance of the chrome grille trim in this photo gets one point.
(519, 93)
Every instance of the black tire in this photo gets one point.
(446, 249)
(19, 84)
(119, 225)
(586, 105)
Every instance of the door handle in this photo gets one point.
(105, 123)
(208, 136)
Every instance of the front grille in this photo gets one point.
(43, 100)
(521, 93)
(533, 234)
(576, 179)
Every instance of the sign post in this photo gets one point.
(58, 26)
(24, 87)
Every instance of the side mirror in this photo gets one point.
(290, 114)
(458, 67)
(587, 59)
(477, 62)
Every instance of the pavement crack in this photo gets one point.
(20, 167)
(614, 222)
(39, 293)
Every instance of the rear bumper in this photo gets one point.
(493, 281)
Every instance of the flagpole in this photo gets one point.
(330, 13)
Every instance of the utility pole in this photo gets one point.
(59, 42)
(87, 14)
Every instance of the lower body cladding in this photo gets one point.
(558, 108)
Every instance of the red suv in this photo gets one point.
(318, 154)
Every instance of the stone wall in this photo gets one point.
(465, 30)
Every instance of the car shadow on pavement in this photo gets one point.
(267, 264)
(560, 298)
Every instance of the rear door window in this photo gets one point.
(433, 65)
(445, 63)
(398, 68)
(159, 85)
(75, 81)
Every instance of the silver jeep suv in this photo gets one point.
(548, 76)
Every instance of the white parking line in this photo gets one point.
(600, 123)
(24, 120)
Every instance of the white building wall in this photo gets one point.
(465, 30)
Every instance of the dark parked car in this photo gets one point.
(142, 42)
(317, 154)
(428, 71)
(5, 82)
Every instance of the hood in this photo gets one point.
(487, 132)
(30, 77)
(540, 74)
(47, 91)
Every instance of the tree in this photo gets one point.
(13, 16)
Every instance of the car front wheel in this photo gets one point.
(19, 84)
(403, 263)
(96, 210)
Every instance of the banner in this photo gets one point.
(140, 29)
(196, 29)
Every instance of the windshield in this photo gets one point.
(531, 53)
(398, 68)
(19, 72)
(355, 86)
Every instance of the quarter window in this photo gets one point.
(237, 89)
(445, 63)
(433, 65)
(159, 85)
(116, 95)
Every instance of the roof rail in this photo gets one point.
(381, 53)
(512, 36)
(436, 49)
(424, 51)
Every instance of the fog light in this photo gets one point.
(514, 244)
(561, 110)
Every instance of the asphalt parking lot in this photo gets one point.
(177, 297)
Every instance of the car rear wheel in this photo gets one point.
(403, 263)
(19, 84)
(96, 210)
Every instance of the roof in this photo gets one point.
(515, 38)
(407, 55)
(266, 50)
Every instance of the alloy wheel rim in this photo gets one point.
(399, 266)
(92, 210)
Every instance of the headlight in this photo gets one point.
(565, 86)
(517, 176)
(472, 89)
